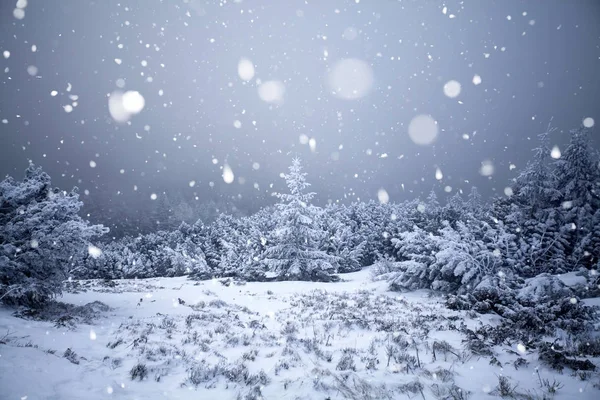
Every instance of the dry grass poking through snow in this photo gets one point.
(340, 341)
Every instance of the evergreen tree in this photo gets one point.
(535, 215)
(535, 187)
(455, 210)
(341, 242)
(474, 205)
(577, 180)
(213, 243)
(296, 254)
(42, 238)
(432, 214)
(162, 213)
(372, 225)
(416, 250)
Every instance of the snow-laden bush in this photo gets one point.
(416, 251)
(542, 289)
(455, 261)
(546, 300)
(164, 254)
(342, 243)
(42, 238)
(540, 305)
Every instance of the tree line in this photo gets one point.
(550, 224)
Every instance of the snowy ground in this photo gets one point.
(290, 340)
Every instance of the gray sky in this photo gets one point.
(536, 60)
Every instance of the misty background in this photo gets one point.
(519, 65)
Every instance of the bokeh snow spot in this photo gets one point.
(487, 168)
(383, 196)
(228, 175)
(452, 88)
(94, 251)
(588, 122)
(245, 69)
(133, 102)
(423, 130)
(123, 105)
(350, 79)
(271, 91)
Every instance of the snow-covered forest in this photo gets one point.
(507, 257)
(344, 274)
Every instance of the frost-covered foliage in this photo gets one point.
(295, 253)
(455, 260)
(243, 247)
(549, 225)
(416, 250)
(554, 210)
(578, 181)
(162, 253)
(372, 224)
(42, 238)
(341, 240)
(538, 306)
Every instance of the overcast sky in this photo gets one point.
(250, 84)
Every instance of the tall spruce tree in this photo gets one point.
(295, 255)
(535, 215)
(577, 181)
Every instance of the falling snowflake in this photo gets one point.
(94, 251)
(588, 122)
(133, 102)
(32, 70)
(487, 168)
(245, 69)
(228, 175)
(452, 89)
(271, 91)
(382, 196)
(423, 130)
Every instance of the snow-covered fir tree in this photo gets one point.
(42, 238)
(578, 179)
(535, 217)
(341, 241)
(295, 255)
(372, 222)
